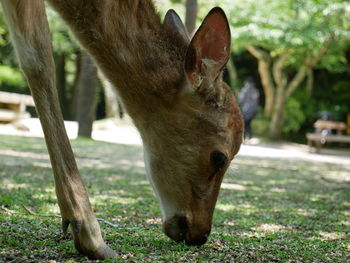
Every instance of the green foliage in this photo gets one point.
(294, 116)
(176, 1)
(2, 32)
(260, 125)
(163, 6)
(63, 40)
(11, 76)
(7, 56)
(2, 28)
(299, 26)
(304, 108)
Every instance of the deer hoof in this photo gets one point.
(101, 252)
(87, 238)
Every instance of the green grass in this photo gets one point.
(269, 210)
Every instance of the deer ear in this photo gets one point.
(173, 24)
(209, 49)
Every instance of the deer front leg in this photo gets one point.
(30, 36)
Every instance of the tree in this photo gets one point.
(277, 87)
(288, 39)
(87, 85)
(65, 50)
(113, 106)
(76, 77)
(191, 16)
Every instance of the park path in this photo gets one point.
(123, 132)
(296, 152)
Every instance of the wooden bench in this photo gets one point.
(323, 135)
(13, 106)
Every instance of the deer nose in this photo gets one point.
(177, 229)
(198, 240)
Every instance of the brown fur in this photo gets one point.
(171, 87)
(127, 39)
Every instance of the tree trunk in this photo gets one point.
(268, 86)
(87, 95)
(232, 73)
(61, 83)
(280, 96)
(264, 67)
(74, 102)
(283, 91)
(111, 101)
(309, 82)
(191, 16)
(275, 129)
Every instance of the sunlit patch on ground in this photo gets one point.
(6, 183)
(230, 186)
(308, 212)
(269, 228)
(225, 207)
(154, 221)
(331, 236)
(20, 154)
(42, 164)
(345, 223)
(278, 190)
(338, 176)
(113, 199)
(141, 182)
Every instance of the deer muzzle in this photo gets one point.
(179, 229)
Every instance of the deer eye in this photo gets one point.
(218, 160)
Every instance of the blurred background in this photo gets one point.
(297, 52)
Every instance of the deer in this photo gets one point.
(171, 86)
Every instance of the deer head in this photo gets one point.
(190, 143)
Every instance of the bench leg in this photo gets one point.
(309, 143)
(318, 146)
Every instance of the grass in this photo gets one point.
(268, 211)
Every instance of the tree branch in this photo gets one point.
(232, 72)
(264, 64)
(278, 69)
(321, 52)
(258, 53)
(298, 78)
(308, 64)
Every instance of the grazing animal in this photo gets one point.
(171, 87)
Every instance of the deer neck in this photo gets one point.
(132, 49)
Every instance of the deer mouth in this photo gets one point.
(177, 228)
